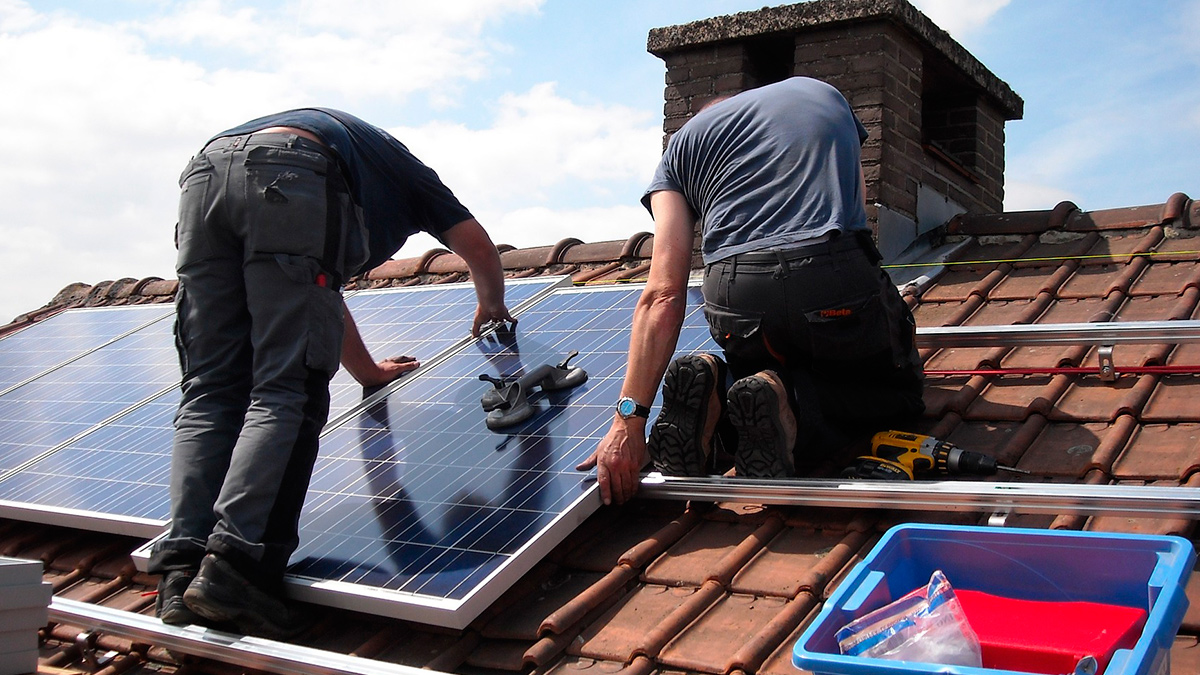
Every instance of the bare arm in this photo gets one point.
(357, 361)
(470, 241)
(657, 320)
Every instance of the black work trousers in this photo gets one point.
(832, 324)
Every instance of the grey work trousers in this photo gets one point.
(832, 324)
(262, 240)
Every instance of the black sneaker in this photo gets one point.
(765, 424)
(220, 593)
(681, 439)
(169, 605)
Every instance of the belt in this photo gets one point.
(281, 139)
(839, 243)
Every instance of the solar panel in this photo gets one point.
(41, 414)
(116, 477)
(417, 511)
(39, 347)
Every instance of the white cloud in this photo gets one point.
(540, 149)
(960, 18)
(1022, 196)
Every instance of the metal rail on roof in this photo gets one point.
(247, 652)
(1102, 333)
(1047, 498)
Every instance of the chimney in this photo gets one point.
(935, 114)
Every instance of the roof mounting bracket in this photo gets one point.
(1108, 371)
(85, 642)
(999, 518)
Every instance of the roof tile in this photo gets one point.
(701, 555)
(1015, 397)
(1166, 278)
(1091, 399)
(797, 560)
(705, 646)
(1173, 400)
(1071, 450)
(1160, 452)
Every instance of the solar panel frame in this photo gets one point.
(41, 490)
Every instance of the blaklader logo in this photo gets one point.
(836, 313)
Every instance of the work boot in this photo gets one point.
(681, 439)
(221, 594)
(765, 424)
(169, 605)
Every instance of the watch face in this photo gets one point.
(626, 407)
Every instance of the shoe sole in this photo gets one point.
(176, 613)
(753, 411)
(675, 444)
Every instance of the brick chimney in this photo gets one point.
(935, 114)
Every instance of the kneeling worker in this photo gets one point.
(816, 339)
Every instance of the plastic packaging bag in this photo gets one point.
(927, 625)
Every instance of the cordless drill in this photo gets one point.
(927, 455)
(900, 455)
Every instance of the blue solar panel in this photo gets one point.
(43, 413)
(119, 473)
(415, 499)
(66, 336)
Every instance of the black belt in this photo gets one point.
(280, 139)
(838, 243)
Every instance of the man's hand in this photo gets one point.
(487, 314)
(619, 460)
(387, 370)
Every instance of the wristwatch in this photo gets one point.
(627, 407)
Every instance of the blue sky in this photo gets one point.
(544, 116)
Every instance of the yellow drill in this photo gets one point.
(900, 455)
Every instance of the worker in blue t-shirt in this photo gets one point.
(815, 337)
(274, 216)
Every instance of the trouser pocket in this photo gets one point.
(287, 201)
(738, 332)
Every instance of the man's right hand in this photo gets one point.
(619, 460)
(387, 370)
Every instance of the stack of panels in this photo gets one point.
(417, 510)
(115, 477)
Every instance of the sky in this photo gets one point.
(543, 116)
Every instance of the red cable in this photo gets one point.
(1071, 370)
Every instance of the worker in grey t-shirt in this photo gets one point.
(815, 337)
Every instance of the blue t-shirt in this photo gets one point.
(771, 167)
(399, 196)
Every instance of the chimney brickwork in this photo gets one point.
(935, 115)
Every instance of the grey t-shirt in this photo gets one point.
(771, 167)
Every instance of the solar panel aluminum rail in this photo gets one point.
(256, 654)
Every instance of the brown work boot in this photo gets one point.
(765, 424)
(681, 439)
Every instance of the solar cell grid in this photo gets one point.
(66, 336)
(41, 414)
(415, 497)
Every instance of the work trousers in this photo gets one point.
(265, 230)
(832, 324)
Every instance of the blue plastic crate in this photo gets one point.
(1148, 572)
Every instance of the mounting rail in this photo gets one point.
(247, 652)
(1100, 333)
(1138, 501)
